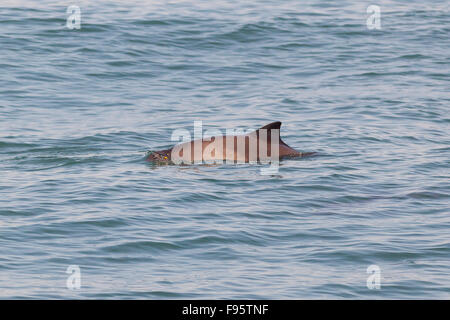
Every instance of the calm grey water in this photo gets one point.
(79, 109)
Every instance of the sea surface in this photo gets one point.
(80, 108)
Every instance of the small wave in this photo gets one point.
(427, 195)
(140, 246)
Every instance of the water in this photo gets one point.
(79, 109)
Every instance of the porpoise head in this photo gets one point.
(159, 156)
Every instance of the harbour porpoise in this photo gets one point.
(248, 148)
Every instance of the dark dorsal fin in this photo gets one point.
(270, 126)
(273, 125)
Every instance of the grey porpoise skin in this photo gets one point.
(285, 151)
